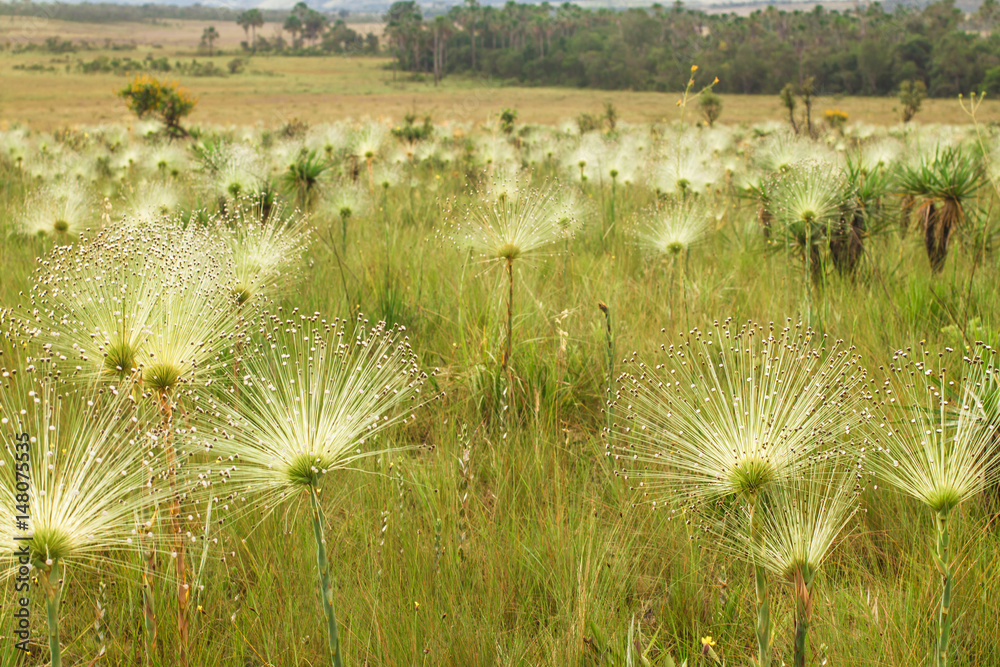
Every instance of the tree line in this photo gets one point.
(868, 51)
(106, 12)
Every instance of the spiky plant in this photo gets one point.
(151, 201)
(344, 201)
(945, 183)
(937, 441)
(509, 227)
(91, 303)
(58, 212)
(367, 144)
(866, 185)
(800, 520)
(734, 412)
(317, 398)
(263, 247)
(236, 171)
(75, 481)
(674, 229)
(806, 205)
(303, 177)
(670, 232)
(684, 170)
(189, 334)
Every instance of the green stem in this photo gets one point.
(763, 627)
(944, 616)
(53, 596)
(510, 314)
(343, 233)
(510, 337)
(610, 339)
(613, 184)
(326, 587)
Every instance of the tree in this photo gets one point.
(208, 37)
(243, 22)
(146, 96)
(710, 106)
(987, 16)
(293, 24)
(404, 23)
(313, 22)
(911, 95)
(251, 20)
(442, 29)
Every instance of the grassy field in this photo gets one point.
(276, 89)
(500, 532)
(508, 540)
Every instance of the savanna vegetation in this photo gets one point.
(500, 393)
(859, 52)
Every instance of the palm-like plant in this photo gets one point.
(945, 183)
(866, 186)
(938, 443)
(736, 411)
(316, 399)
(302, 178)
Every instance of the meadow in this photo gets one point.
(503, 480)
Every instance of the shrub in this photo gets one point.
(911, 95)
(710, 106)
(146, 96)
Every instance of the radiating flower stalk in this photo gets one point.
(87, 472)
(153, 306)
(807, 202)
(797, 527)
(669, 233)
(515, 223)
(736, 411)
(317, 396)
(938, 443)
(264, 246)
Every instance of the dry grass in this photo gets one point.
(164, 33)
(276, 89)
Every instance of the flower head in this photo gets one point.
(734, 410)
(316, 397)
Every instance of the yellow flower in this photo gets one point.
(707, 641)
(694, 68)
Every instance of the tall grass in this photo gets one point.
(484, 545)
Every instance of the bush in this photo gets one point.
(146, 96)
(911, 95)
(588, 122)
(710, 106)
